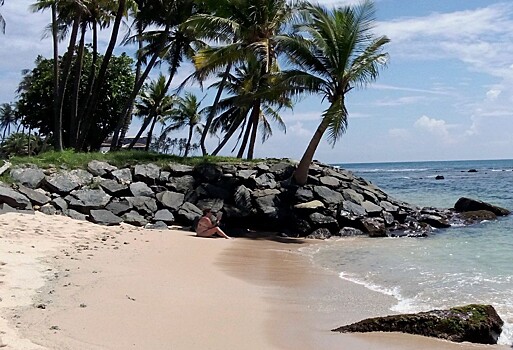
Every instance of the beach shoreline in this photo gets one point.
(75, 285)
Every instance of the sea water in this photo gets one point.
(451, 267)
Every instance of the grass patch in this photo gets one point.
(70, 160)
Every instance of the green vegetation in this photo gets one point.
(70, 160)
(264, 55)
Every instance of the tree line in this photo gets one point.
(263, 55)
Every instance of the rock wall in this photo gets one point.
(258, 196)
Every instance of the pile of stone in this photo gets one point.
(259, 196)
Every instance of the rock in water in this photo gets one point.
(467, 204)
(473, 323)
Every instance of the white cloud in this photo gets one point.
(401, 101)
(493, 94)
(434, 126)
(398, 133)
(298, 129)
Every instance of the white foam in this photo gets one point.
(506, 337)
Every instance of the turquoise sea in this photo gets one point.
(451, 267)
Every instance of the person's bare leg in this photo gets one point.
(212, 231)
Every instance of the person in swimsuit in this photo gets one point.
(206, 228)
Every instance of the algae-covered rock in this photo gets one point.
(473, 323)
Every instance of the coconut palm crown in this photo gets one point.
(334, 51)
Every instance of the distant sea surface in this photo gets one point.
(452, 267)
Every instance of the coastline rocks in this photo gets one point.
(473, 323)
(261, 196)
(466, 204)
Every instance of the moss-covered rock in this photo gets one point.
(472, 323)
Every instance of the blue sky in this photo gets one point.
(446, 94)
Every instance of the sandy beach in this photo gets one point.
(68, 284)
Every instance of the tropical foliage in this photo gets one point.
(263, 55)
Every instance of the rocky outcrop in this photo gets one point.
(466, 204)
(472, 323)
(260, 196)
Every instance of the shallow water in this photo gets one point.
(452, 267)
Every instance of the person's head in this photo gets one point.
(207, 212)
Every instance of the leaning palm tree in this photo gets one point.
(335, 51)
(187, 114)
(2, 21)
(8, 118)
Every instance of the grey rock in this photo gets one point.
(320, 233)
(60, 203)
(182, 184)
(171, 200)
(134, 218)
(320, 220)
(164, 176)
(354, 208)
(353, 196)
(371, 208)
(242, 198)
(48, 209)
(266, 192)
(6, 208)
(180, 169)
(80, 176)
(148, 173)
(341, 174)
(144, 205)
(350, 232)
(119, 206)
(327, 195)
(329, 181)
(282, 170)
(123, 176)
(375, 227)
(208, 172)
(98, 168)
(389, 218)
(267, 205)
(246, 173)
(165, 216)
(60, 183)
(159, 225)
(30, 177)
(104, 217)
(85, 200)
(188, 212)
(389, 206)
(141, 189)
(304, 194)
(35, 197)
(265, 181)
(14, 199)
(216, 204)
(113, 187)
(434, 220)
(75, 215)
(312, 205)
(467, 204)
(262, 167)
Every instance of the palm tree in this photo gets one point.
(153, 105)
(2, 21)
(7, 118)
(187, 113)
(248, 28)
(337, 52)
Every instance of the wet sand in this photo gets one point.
(67, 284)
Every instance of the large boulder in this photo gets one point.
(123, 176)
(148, 173)
(80, 176)
(327, 195)
(14, 199)
(104, 217)
(30, 177)
(98, 168)
(141, 189)
(472, 323)
(466, 204)
(35, 196)
(144, 205)
(60, 183)
(188, 212)
(85, 200)
(113, 187)
(171, 200)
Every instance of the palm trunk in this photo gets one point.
(211, 115)
(255, 118)
(301, 173)
(245, 139)
(137, 88)
(188, 145)
(73, 122)
(57, 121)
(93, 104)
(227, 137)
(150, 133)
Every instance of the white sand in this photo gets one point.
(68, 284)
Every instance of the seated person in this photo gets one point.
(206, 228)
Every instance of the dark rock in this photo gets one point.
(159, 225)
(282, 170)
(472, 323)
(30, 177)
(60, 203)
(183, 184)
(350, 232)
(148, 173)
(328, 196)
(60, 183)
(104, 217)
(304, 194)
(320, 233)
(389, 218)
(165, 216)
(242, 198)
(188, 212)
(6, 208)
(214, 191)
(208, 172)
(472, 171)
(35, 196)
(329, 181)
(476, 216)
(171, 200)
(434, 220)
(98, 168)
(119, 206)
(265, 181)
(371, 208)
(320, 220)
(73, 214)
(123, 176)
(141, 189)
(144, 205)
(466, 204)
(439, 177)
(216, 204)
(14, 199)
(375, 227)
(354, 208)
(267, 205)
(113, 187)
(353, 196)
(134, 218)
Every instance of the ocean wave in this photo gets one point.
(393, 292)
